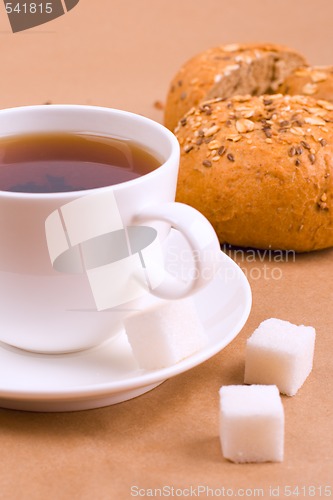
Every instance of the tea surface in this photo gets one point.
(60, 162)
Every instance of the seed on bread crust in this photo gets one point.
(315, 81)
(284, 157)
(223, 71)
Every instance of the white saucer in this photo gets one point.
(108, 374)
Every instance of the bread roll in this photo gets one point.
(315, 81)
(229, 70)
(261, 170)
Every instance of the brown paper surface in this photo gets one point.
(123, 54)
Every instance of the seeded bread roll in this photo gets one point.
(315, 81)
(229, 70)
(261, 170)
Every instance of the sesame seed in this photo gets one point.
(233, 137)
(183, 121)
(212, 130)
(230, 157)
(323, 205)
(188, 148)
(268, 102)
(214, 145)
(207, 163)
(267, 132)
(297, 162)
(230, 68)
(299, 150)
(244, 125)
(275, 97)
(314, 120)
(325, 104)
(318, 76)
(292, 151)
(199, 141)
(201, 132)
(204, 107)
(309, 88)
(323, 142)
(297, 131)
(221, 151)
(312, 158)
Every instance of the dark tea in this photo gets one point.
(58, 162)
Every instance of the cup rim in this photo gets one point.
(172, 158)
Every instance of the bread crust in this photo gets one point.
(314, 81)
(229, 70)
(261, 170)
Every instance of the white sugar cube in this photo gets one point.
(281, 354)
(165, 333)
(251, 423)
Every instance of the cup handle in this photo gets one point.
(201, 238)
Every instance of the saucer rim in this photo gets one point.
(143, 378)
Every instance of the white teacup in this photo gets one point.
(49, 302)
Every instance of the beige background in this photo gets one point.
(122, 54)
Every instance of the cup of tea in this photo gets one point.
(87, 200)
